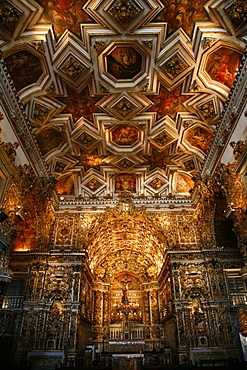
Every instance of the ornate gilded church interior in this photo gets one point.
(123, 230)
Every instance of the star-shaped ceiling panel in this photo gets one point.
(123, 94)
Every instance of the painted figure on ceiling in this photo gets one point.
(168, 102)
(126, 135)
(184, 183)
(80, 105)
(125, 182)
(222, 65)
(64, 14)
(65, 185)
(200, 138)
(124, 62)
(24, 68)
(182, 13)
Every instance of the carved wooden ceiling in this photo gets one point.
(123, 94)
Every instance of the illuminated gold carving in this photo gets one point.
(123, 107)
(26, 236)
(99, 44)
(133, 238)
(186, 230)
(64, 231)
(10, 150)
(93, 184)
(157, 183)
(242, 317)
(238, 148)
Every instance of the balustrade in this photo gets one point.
(13, 302)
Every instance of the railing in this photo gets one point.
(117, 333)
(137, 333)
(13, 302)
(238, 299)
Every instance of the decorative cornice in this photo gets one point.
(150, 203)
(231, 112)
(15, 112)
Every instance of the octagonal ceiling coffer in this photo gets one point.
(123, 64)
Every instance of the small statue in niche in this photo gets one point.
(238, 148)
(10, 150)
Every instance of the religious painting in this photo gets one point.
(222, 65)
(90, 160)
(124, 135)
(199, 137)
(80, 105)
(64, 14)
(184, 183)
(168, 102)
(65, 186)
(182, 14)
(156, 183)
(24, 68)
(26, 236)
(124, 62)
(125, 182)
(49, 140)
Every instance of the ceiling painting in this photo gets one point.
(65, 185)
(124, 62)
(50, 139)
(184, 183)
(80, 105)
(90, 160)
(125, 182)
(199, 137)
(123, 94)
(222, 65)
(159, 159)
(168, 102)
(64, 14)
(182, 14)
(24, 67)
(124, 135)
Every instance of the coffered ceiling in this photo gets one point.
(123, 94)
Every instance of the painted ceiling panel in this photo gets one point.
(123, 94)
